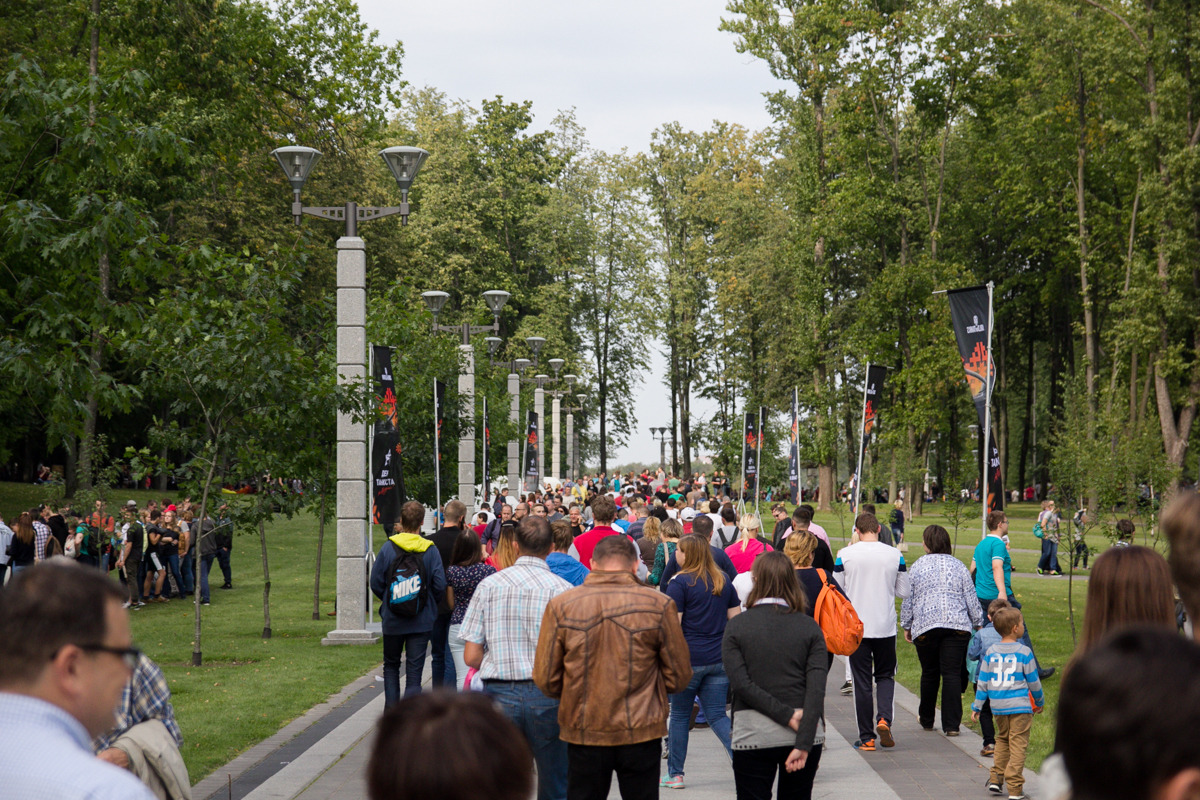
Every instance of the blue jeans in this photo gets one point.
(710, 684)
(1049, 560)
(188, 572)
(537, 717)
(205, 566)
(223, 560)
(172, 566)
(443, 661)
(1025, 640)
(411, 647)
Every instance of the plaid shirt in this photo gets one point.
(505, 616)
(146, 696)
(41, 535)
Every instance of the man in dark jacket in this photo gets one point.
(443, 663)
(407, 638)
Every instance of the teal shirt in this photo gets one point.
(992, 547)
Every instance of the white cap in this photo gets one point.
(688, 514)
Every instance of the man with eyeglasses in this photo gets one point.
(66, 654)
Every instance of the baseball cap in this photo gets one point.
(688, 514)
(131, 503)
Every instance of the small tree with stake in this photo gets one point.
(240, 350)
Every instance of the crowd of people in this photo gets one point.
(600, 633)
(534, 602)
(150, 549)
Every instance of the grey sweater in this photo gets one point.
(776, 662)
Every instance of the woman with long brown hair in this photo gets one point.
(706, 601)
(22, 550)
(1128, 586)
(775, 657)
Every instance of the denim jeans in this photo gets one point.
(457, 647)
(1049, 560)
(172, 566)
(710, 684)
(205, 566)
(443, 663)
(223, 560)
(1025, 640)
(411, 647)
(188, 572)
(537, 717)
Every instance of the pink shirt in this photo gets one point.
(742, 554)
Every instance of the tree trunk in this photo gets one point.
(196, 537)
(320, 547)
(96, 355)
(71, 468)
(262, 538)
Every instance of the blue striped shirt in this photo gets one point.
(45, 754)
(1008, 675)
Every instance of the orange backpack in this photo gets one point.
(838, 620)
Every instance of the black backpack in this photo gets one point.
(406, 593)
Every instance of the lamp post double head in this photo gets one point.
(353, 486)
(661, 435)
(573, 431)
(556, 395)
(435, 302)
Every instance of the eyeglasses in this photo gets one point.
(127, 654)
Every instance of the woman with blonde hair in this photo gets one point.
(648, 544)
(749, 545)
(706, 601)
(670, 531)
(505, 554)
(775, 657)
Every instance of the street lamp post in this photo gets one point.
(353, 527)
(435, 301)
(661, 435)
(573, 434)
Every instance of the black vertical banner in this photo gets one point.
(969, 314)
(531, 454)
(750, 455)
(487, 440)
(439, 399)
(794, 455)
(872, 396)
(387, 474)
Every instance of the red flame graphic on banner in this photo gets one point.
(976, 367)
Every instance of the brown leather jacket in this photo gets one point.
(611, 650)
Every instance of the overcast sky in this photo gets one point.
(626, 67)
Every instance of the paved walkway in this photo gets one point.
(323, 756)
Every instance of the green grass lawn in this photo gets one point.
(247, 688)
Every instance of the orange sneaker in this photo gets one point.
(865, 744)
(885, 734)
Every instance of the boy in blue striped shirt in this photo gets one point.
(1008, 679)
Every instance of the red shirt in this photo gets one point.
(585, 543)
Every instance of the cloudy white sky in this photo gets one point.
(626, 66)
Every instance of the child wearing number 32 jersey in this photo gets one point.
(1008, 679)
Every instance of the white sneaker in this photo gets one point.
(126, 604)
